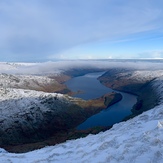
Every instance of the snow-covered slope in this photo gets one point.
(120, 77)
(141, 76)
(24, 110)
(32, 82)
(139, 140)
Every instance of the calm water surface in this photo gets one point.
(89, 88)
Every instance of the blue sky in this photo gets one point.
(42, 30)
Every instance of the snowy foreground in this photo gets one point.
(139, 140)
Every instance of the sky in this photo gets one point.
(48, 30)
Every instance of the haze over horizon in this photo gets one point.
(38, 30)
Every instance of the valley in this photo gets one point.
(34, 114)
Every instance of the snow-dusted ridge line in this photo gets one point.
(30, 82)
(23, 81)
(135, 141)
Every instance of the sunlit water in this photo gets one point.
(90, 88)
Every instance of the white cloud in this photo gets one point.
(60, 66)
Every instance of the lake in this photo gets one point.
(88, 87)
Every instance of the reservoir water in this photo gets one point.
(88, 87)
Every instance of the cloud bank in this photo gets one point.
(58, 67)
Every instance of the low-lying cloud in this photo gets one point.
(62, 66)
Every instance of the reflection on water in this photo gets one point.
(90, 88)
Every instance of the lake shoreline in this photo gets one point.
(92, 88)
